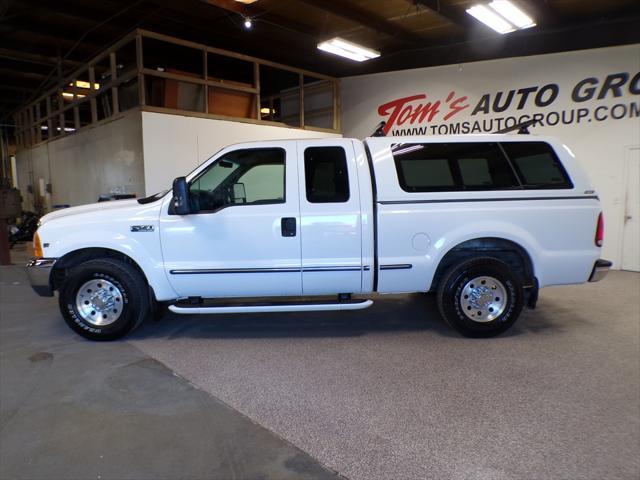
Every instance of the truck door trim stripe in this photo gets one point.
(399, 266)
(335, 269)
(509, 199)
(216, 271)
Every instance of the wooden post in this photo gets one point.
(5, 257)
(336, 105)
(301, 77)
(115, 103)
(76, 112)
(92, 100)
(256, 84)
(49, 119)
(39, 127)
(30, 122)
(205, 63)
(140, 67)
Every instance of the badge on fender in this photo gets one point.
(142, 228)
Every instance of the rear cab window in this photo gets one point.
(326, 175)
(537, 165)
(478, 166)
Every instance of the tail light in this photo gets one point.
(600, 230)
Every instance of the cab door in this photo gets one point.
(242, 238)
(331, 223)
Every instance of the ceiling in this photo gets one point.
(40, 39)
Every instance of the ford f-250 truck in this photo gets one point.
(307, 225)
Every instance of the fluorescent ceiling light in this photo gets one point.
(512, 13)
(66, 129)
(490, 19)
(83, 84)
(70, 95)
(344, 48)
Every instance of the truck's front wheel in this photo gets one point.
(480, 297)
(104, 299)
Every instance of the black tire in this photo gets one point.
(134, 298)
(459, 277)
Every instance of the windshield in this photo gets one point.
(152, 198)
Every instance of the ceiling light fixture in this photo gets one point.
(502, 16)
(344, 48)
(83, 84)
(70, 95)
(247, 23)
(490, 19)
(512, 13)
(246, 2)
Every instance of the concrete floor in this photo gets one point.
(72, 409)
(388, 392)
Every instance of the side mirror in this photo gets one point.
(181, 196)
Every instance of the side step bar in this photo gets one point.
(266, 308)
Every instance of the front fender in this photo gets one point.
(69, 234)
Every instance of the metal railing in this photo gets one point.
(118, 80)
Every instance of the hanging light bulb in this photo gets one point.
(247, 23)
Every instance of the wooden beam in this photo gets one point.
(230, 5)
(41, 40)
(366, 18)
(455, 15)
(255, 12)
(36, 59)
(15, 88)
(7, 72)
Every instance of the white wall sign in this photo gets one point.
(457, 113)
(588, 99)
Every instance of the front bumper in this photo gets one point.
(39, 273)
(600, 270)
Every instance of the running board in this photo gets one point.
(302, 307)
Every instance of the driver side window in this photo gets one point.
(241, 177)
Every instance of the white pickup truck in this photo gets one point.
(309, 225)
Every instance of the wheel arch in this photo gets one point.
(76, 257)
(508, 251)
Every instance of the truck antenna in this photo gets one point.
(379, 131)
(522, 128)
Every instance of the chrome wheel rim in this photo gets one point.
(483, 299)
(99, 302)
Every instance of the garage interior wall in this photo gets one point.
(83, 165)
(174, 145)
(139, 153)
(601, 126)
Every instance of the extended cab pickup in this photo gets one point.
(306, 225)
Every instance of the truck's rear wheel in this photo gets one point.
(480, 297)
(104, 299)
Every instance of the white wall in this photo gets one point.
(174, 145)
(83, 165)
(598, 143)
